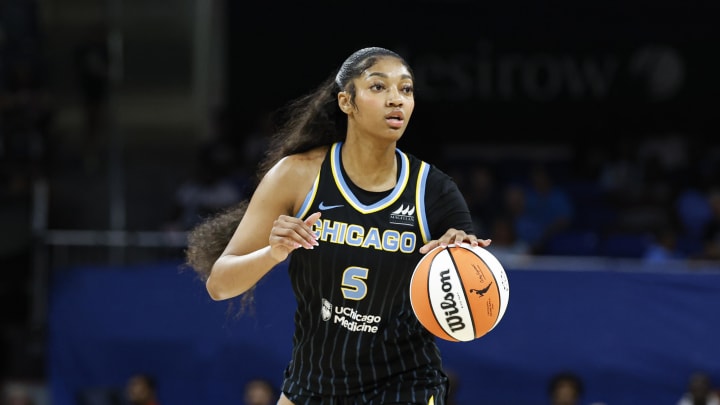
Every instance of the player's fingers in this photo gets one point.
(307, 234)
(452, 236)
(472, 240)
(309, 222)
(292, 232)
(458, 238)
(286, 239)
(304, 229)
(428, 246)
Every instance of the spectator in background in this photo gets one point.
(256, 142)
(565, 388)
(141, 389)
(664, 247)
(17, 395)
(252, 150)
(711, 229)
(539, 210)
(620, 172)
(505, 241)
(670, 154)
(483, 197)
(699, 391)
(691, 207)
(209, 191)
(260, 391)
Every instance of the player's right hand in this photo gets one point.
(289, 233)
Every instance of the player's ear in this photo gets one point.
(344, 102)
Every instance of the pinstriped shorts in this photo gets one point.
(436, 395)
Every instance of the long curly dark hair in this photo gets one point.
(310, 121)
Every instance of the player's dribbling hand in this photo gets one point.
(289, 233)
(456, 237)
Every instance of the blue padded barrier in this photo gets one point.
(634, 337)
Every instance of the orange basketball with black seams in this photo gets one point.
(459, 292)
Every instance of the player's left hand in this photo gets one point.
(456, 237)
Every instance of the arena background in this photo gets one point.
(93, 283)
(489, 73)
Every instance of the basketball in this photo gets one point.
(459, 292)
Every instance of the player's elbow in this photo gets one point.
(215, 289)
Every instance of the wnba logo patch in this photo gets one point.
(403, 215)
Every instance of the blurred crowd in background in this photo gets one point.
(655, 199)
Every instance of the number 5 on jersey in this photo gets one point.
(354, 286)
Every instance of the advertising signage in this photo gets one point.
(529, 72)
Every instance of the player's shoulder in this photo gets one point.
(435, 176)
(416, 161)
(300, 163)
(309, 156)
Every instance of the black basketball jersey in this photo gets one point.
(355, 331)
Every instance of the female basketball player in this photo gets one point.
(353, 214)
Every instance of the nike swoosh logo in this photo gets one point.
(324, 207)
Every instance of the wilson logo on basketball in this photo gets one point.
(449, 305)
(403, 215)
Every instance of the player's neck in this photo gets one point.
(370, 168)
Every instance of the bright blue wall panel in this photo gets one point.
(633, 337)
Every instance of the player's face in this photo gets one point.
(384, 99)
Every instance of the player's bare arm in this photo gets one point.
(268, 231)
